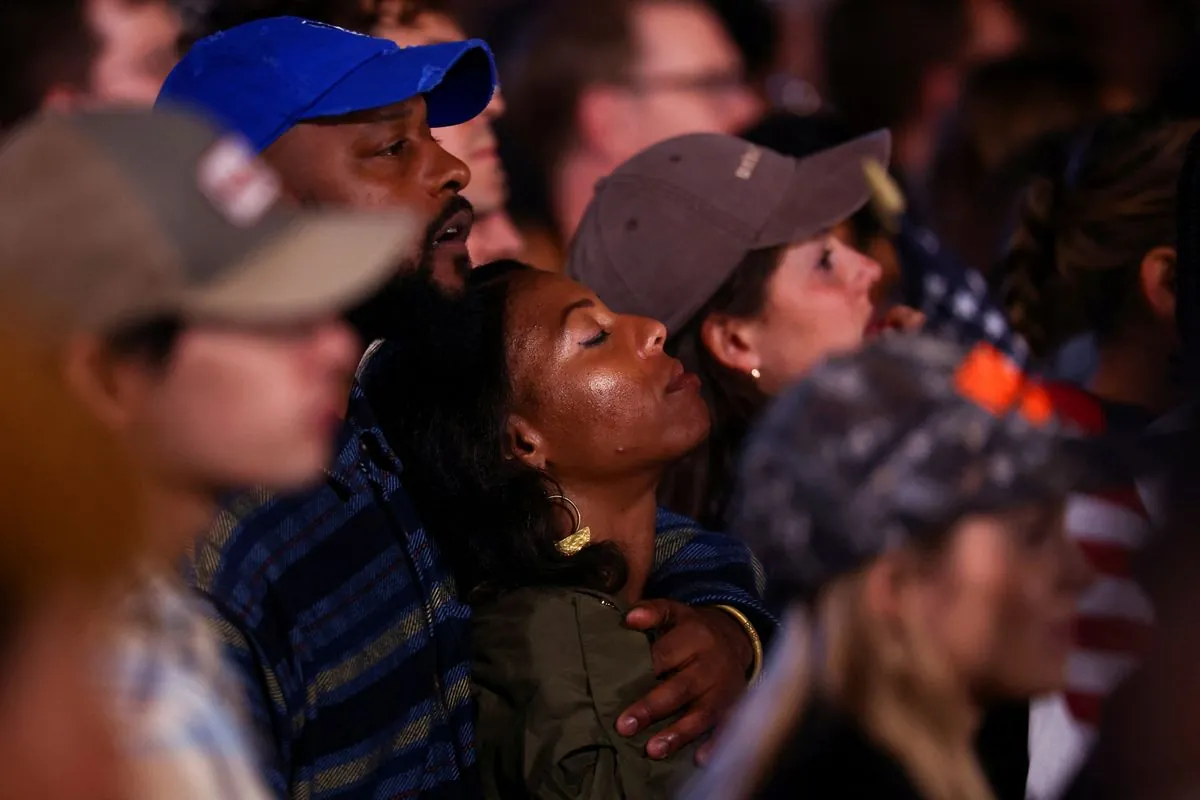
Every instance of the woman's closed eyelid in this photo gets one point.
(599, 338)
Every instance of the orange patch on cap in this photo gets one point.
(1036, 405)
(988, 378)
(993, 381)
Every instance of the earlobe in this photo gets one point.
(732, 342)
(1158, 282)
(525, 443)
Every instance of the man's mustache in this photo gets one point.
(455, 205)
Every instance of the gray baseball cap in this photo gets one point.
(108, 218)
(670, 225)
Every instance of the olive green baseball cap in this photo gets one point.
(109, 218)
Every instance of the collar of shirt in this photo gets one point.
(361, 446)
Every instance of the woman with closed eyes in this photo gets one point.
(535, 424)
(741, 252)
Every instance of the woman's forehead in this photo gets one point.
(531, 296)
(539, 306)
(540, 299)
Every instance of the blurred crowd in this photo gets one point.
(642, 399)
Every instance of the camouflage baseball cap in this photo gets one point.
(898, 440)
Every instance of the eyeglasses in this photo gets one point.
(709, 83)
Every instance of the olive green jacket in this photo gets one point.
(553, 670)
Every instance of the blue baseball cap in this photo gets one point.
(262, 78)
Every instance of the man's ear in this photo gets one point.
(1157, 278)
(525, 443)
(110, 388)
(733, 342)
(603, 121)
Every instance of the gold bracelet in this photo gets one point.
(755, 641)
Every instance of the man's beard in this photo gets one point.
(409, 303)
(413, 299)
(462, 264)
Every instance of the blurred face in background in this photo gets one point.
(137, 49)
(688, 77)
(1000, 602)
(234, 406)
(493, 236)
(996, 31)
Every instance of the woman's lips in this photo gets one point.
(876, 322)
(688, 381)
(893, 319)
(682, 380)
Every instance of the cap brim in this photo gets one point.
(1101, 462)
(1088, 465)
(457, 79)
(319, 265)
(1077, 466)
(826, 188)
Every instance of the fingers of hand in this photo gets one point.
(651, 614)
(668, 698)
(688, 641)
(690, 727)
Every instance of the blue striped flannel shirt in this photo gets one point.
(349, 637)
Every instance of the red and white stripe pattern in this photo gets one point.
(1114, 622)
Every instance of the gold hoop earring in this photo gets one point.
(581, 538)
(754, 373)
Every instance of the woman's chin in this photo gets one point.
(687, 435)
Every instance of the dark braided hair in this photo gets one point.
(442, 395)
(1074, 259)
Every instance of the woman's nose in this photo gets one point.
(866, 271)
(653, 337)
